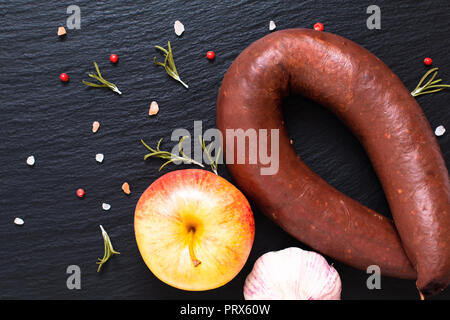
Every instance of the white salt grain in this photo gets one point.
(106, 206)
(19, 221)
(439, 131)
(179, 28)
(30, 160)
(272, 25)
(99, 157)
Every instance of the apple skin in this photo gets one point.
(194, 209)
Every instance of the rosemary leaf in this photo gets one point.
(431, 84)
(109, 250)
(169, 63)
(103, 82)
(94, 84)
(171, 157)
(207, 150)
(166, 163)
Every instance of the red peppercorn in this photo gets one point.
(318, 26)
(80, 193)
(113, 58)
(64, 77)
(210, 55)
(427, 61)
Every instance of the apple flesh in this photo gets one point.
(194, 229)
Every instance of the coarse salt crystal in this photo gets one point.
(19, 221)
(154, 108)
(439, 131)
(179, 28)
(126, 188)
(99, 157)
(106, 206)
(61, 31)
(272, 25)
(30, 160)
(95, 126)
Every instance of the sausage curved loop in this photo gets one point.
(373, 102)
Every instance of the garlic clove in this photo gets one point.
(292, 274)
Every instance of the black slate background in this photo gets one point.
(41, 116)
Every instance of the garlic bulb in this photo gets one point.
(292, 274)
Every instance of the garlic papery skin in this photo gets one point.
(292, 274)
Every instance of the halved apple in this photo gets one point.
(194, 229)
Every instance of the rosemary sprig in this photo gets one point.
(104, 83)
(109, 250)
(431, 86)
(212, 162)
(169, 63)
(170, 157)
